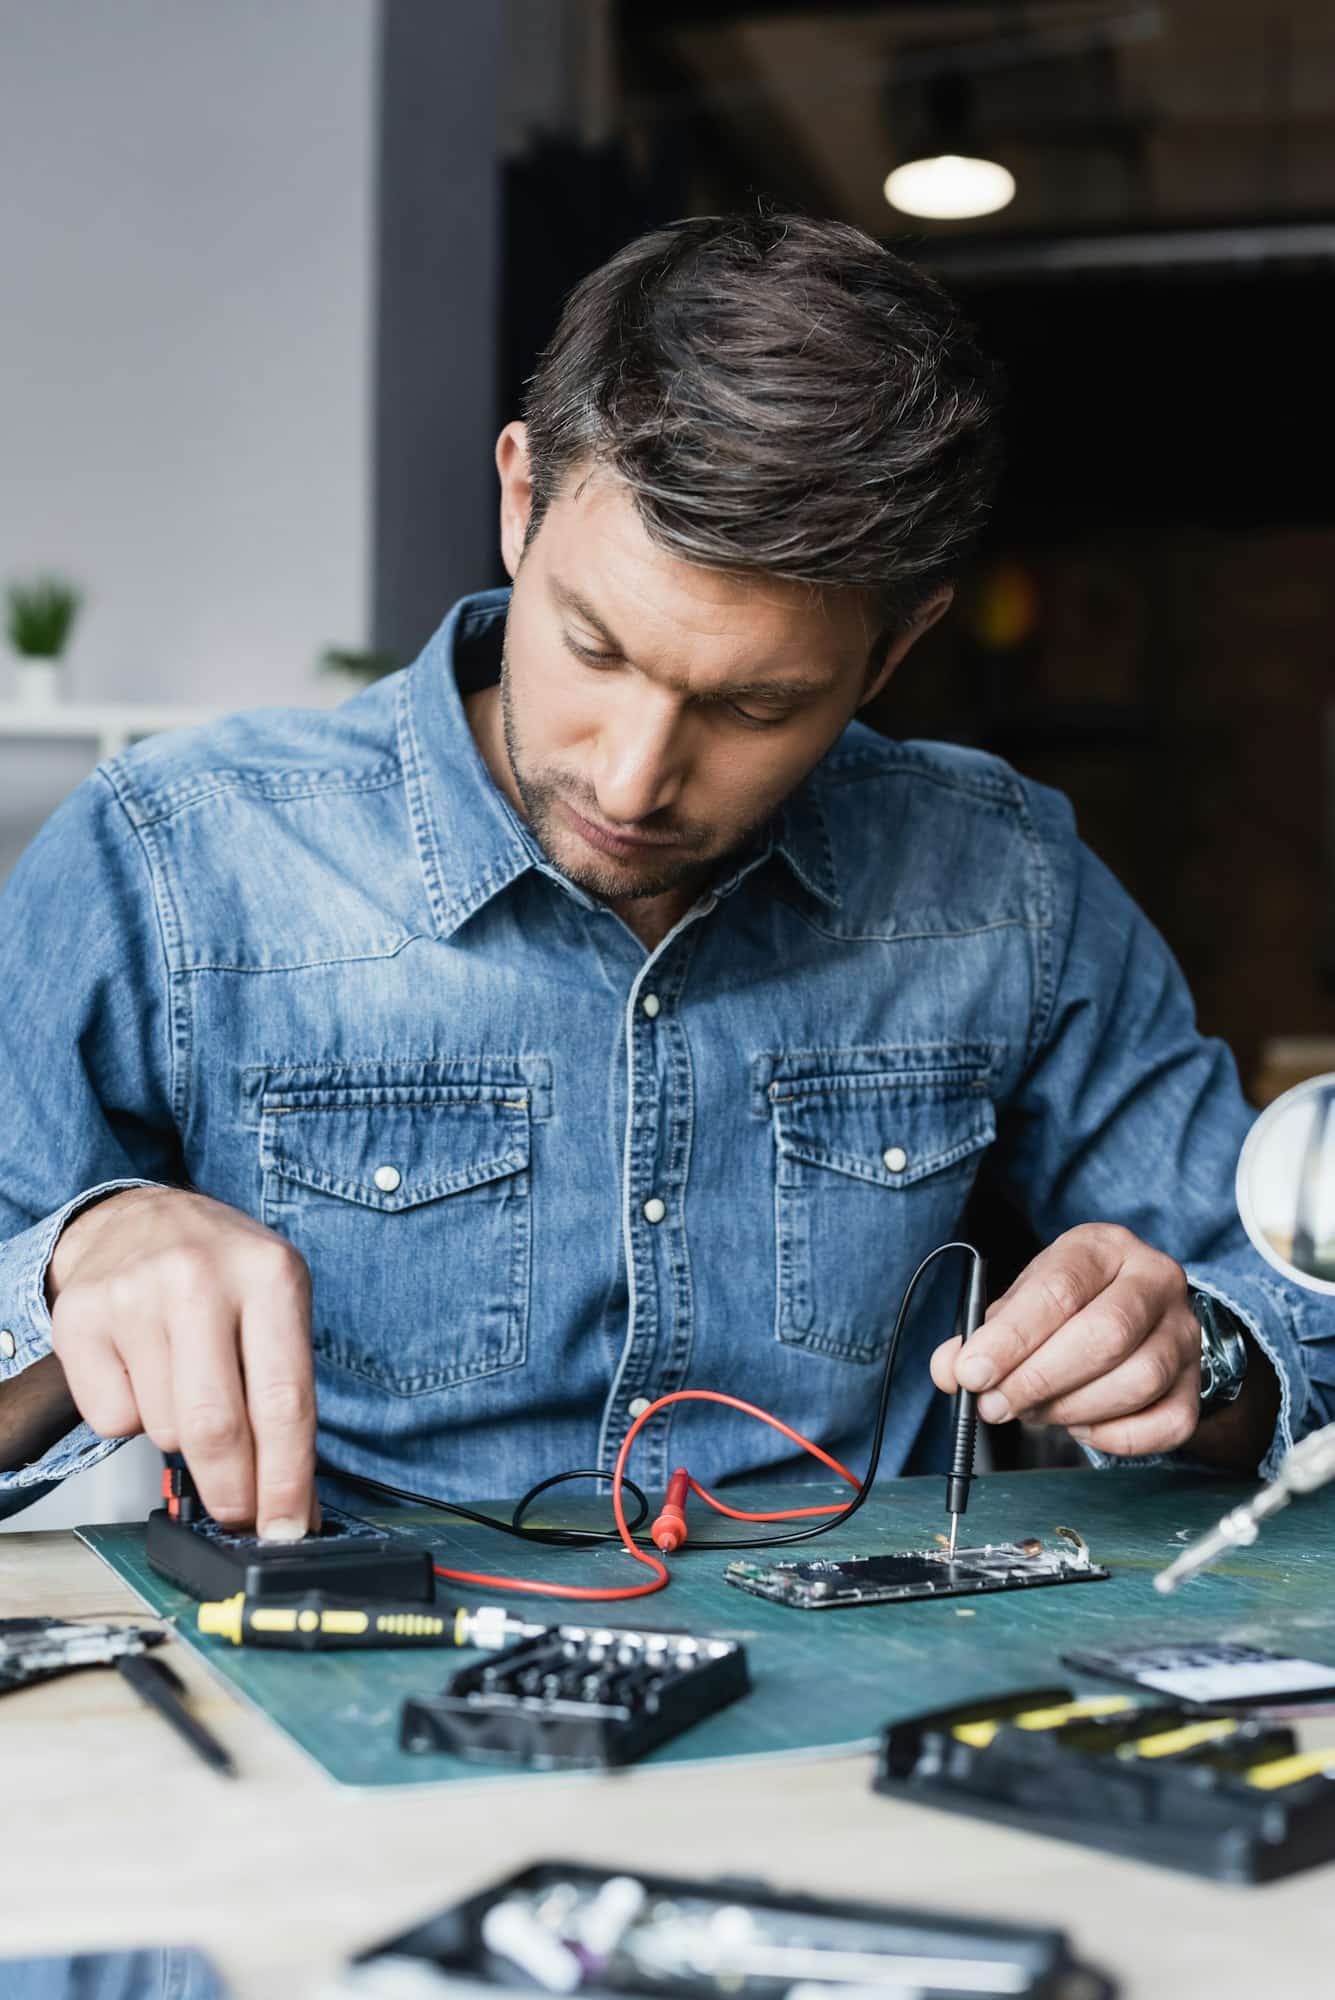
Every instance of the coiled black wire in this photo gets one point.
(567, 1538)
(557, 1538)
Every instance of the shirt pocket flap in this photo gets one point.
(395, 1149)
(890, 1130)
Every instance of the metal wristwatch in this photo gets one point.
(1223, 1352)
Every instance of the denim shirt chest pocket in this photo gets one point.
(875, 1151)
(406, 1187)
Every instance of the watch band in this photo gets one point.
(1223, 1352)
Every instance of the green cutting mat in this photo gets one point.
(823, 1680)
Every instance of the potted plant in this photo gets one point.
(40, 617)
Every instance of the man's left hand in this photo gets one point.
(1097, 1334)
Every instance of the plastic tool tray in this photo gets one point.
(578, 1697)
(1188, 1788)
(564, 1927)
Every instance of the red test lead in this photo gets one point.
(669, 1530)
(583, 1593)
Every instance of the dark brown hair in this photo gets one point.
(781, 396)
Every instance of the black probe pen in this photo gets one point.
(162, 1688)
(960, 1475)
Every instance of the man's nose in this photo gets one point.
(641, 755)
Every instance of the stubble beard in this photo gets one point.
(541, 795)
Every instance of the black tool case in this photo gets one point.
(577, 1698)
(1035, 1963)
(1195, 1810)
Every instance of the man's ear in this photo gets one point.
(516, 493)
(923, 621)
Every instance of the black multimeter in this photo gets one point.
(347, 1557)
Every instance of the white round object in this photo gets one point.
(1286, 1184)
(388, 1179)
(949, 187)
(654, 1209)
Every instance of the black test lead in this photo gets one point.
(960, 1475)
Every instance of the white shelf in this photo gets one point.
(112, 726)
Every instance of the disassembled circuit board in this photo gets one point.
(37, 1649)
(827, 1585)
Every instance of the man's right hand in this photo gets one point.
(176, 1315)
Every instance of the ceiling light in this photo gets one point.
(949, 187)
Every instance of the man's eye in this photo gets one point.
(589, 653)
(767, 721)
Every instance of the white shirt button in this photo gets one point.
(654, 1209)
(896, 1159)
(651, 1005)
(387, 1179)
(8, 1345)
(638, 1406)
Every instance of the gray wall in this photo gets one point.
(438, 259)
(186, 237)
(186, 240)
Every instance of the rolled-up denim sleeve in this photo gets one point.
(85, 1068)
(1126, 1113)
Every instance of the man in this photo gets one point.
(596, 1009)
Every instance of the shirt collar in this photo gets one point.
(470, 843)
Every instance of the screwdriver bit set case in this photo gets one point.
(701, 1940)
(577, 1698)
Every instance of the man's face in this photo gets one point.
(656, 713)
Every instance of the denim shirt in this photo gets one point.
(313, 965)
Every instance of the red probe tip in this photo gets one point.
(669, 1530)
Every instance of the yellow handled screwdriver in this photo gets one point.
(314, 1622)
